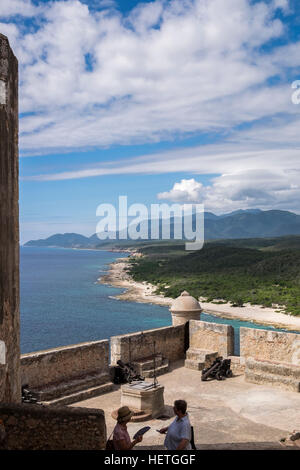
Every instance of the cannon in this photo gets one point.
(125, 373)
(28, 396)
(220, 370)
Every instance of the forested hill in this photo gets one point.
(259, 271)
(245, 224)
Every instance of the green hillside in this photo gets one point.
(259, 271)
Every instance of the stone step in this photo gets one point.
(201, 355)
(56, 390)
(195, 365)
(158, 371)
(148, 363)
(80, 396)
(264, 378)
(272, 367)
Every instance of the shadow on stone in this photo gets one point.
(167, 414)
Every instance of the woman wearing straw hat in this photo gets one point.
(121, 438)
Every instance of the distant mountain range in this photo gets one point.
(252, 223)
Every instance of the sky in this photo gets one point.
(186, 101)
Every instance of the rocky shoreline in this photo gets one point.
(117, 276)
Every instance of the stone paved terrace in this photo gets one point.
(229, 414)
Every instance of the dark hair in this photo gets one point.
(180, 405)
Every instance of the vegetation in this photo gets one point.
(258, 271)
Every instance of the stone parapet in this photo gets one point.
(286, 376)
(169, 342)
(35, 427)
(270, 345)
(211, 337)
(67, 374)
(41, 368)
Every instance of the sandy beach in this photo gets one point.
(118, 276)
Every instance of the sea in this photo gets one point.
(62, 302)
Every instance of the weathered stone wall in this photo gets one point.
(170, 341)
(35, 427)
(270, 345)
(61, 364)
(237, 364)
(212, 336)
(10, 390)
(273, 373)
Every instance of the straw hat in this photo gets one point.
(124, 414)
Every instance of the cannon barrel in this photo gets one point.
(207, 372)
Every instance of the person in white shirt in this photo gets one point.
(179, 431)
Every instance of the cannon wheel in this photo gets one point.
(229, 373)
(219, 376)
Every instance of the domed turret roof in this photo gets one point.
(185, 303)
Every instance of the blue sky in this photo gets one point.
(162, 101)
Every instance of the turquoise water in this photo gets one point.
(62, 303)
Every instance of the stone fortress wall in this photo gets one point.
(212, 336)
(43, 368)
(170, 341)
(270, 345)
(271, 358)
(56, 427)
(36, 427)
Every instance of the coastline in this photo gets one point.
(144, 292)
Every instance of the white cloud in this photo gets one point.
(91, 79)
(282, 4)
(95, 78)
(209, 159)
(253, 178)
(108, 3)
(10, 8)
(146, 16)
(266, 189)
(185, 191)
(9, 30)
